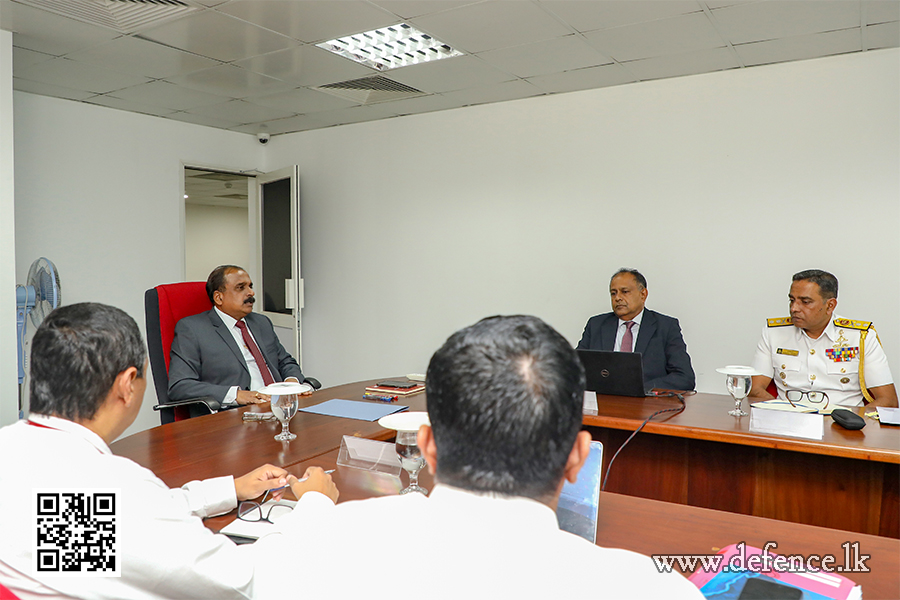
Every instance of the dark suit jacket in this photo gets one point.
(206, 361)
(663, 351)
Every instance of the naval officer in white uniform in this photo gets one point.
(816, 350)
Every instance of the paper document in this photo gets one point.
(888, 416)
(257, 529)
(784, 405)
(794, 424)
(352, 409)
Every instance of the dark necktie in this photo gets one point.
(627, 339)
(258, 357)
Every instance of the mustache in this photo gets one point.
(250, 300)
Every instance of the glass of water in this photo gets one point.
(738, 382)
(411, 460)
(285, 402)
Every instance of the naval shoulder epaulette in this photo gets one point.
(779, 322)
(851, 324)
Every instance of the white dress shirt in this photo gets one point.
(256, 378)
(456, 544)
(620, 332)
(164, 549)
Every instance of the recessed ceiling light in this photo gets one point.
(390, 47)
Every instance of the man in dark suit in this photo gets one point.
(631, 328)
(228, 352)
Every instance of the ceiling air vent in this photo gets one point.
(124, 16)
(369, 90)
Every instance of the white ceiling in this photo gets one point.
(251, 65)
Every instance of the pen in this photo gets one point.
(328, 472)
(379, 398)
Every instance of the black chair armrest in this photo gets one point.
(313, 382)
(211, 403)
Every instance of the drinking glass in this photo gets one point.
(284, 407)
(411, 460)
(738, 386)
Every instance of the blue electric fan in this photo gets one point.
(40, 294)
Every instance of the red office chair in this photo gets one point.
(6, 593)
(164, 306)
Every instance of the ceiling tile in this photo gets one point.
(550, 56)
(218, 36)
(409, 106)
(47, 89)
(490, 25)
(416, 8)
(231, 81)
(303, 100)
(168, 95)
(760, 21)
(656, 38)
(47, 32)
(311, 20)
(306, 65)
(449, 74)
(590, 15)
(676, 65)
(345, 116)
(140, 57)
(882, 11)
(885, 35)
(496, 92)
(242, 112)
(583, 79)
(289, 125)
(204, 120)
(137, 107)
(76, 75)
(799, 47)
(25, 58)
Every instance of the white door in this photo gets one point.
(279, 289)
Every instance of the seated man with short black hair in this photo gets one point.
(505, 401)
(87, 385)
(228, 352)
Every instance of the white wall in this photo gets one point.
(717, 187)
(9, 390)
(214, 235)
(100, 193)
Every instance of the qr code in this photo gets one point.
(76, 533)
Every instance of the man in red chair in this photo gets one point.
(228, 352)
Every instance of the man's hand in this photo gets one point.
(883, 395)
(758, 388)
(317, 480)
(295, 380)
(250, 397)
(259, 480)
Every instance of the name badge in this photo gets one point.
(788, 352)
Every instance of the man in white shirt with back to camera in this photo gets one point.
(87, 385)
(504, 400)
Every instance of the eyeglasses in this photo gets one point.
(253, 512)
(796, 396)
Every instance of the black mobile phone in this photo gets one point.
(401, 385)
(763, 588)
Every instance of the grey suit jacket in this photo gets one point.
(663, 351)
(206, 361)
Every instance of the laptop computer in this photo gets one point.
(579, 502)
(613, 373)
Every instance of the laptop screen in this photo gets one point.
(579, 501)
(613, 373)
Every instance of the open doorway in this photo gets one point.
(216, 221)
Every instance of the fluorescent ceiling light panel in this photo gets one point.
(390, 47)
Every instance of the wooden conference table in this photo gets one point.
(223, 444)
(705, 457)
